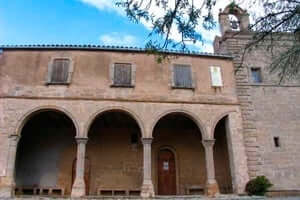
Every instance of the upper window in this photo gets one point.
(59, 71)
(122, 75)
(182, 76)
(256, 75)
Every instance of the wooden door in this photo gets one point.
(87, 171)
(166, 173)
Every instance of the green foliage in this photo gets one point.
(185, 17)
(163, 16)
(258, 186)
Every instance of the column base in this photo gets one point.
(211, 189)
(147, 190)
(7, 190)
(78, 189)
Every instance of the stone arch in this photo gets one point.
(223, 140)
(114, 108)
(29, 114)
(186, 113)
(235, 9)
(215, 122)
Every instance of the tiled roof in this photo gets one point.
(106, 48)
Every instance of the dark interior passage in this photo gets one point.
(45, 153)
(115, 152)
(221, 158)
(178, 135)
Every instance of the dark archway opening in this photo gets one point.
(44, 155)
(221, 157)
(116, 155)
(179, 134)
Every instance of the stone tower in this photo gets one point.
(270, 111)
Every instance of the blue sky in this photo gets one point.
(74, 22)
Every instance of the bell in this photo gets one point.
(234, 25)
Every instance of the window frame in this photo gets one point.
(112, 75)
(173, 86)
(260, 74)
(50, 70)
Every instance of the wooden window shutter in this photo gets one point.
(122, 74)
(60, 70)
(183, 76)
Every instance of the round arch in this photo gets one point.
(28, 115)
(114, 108)
(216, 121)
(186, 113)
(234, 10)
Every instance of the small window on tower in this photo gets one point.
(256, 75)
(276, 142)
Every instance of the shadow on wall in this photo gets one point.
(45, 153)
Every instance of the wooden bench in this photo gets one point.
(33, 190)
(194, 190)
(118, 192)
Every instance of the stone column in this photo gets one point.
(78, 189)
(147, 187)
(9, 184)
(211, 188)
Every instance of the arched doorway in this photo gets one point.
(179, 163)
(166, 172)
(45, 153)
(116, 154)
(221, 157)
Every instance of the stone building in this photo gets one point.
(93, 120)
(270, 111)
(79, 120)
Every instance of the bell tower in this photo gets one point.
(233, 19)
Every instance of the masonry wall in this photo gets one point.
(25, 74)
(23, 92)
(269, 110)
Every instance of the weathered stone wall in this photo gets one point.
(24, 73)
(23, 92)
(269, 110)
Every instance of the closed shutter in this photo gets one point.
(182, 76)
(122, 74)
(60, 71)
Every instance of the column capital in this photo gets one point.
(81, 140)
(208, 142)
(14, 136)
(147, 140)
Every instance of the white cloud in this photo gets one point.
(109, 5)
(118, 39)
(208, 35)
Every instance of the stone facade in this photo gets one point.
(269, 110)
(89, 104)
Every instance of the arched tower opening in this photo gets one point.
(221, 157)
